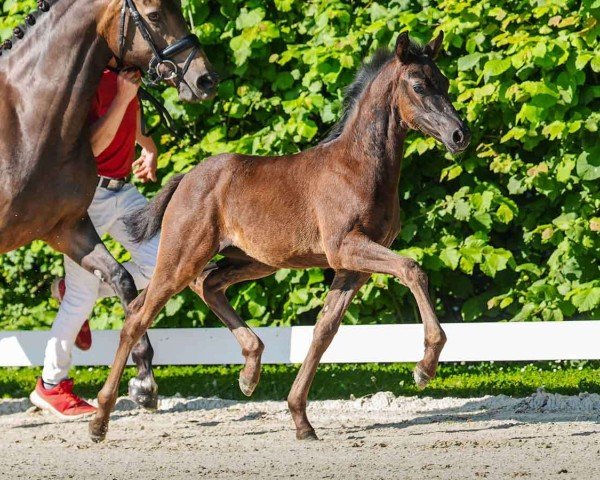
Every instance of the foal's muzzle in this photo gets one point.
(459, 139)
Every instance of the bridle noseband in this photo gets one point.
(163, 58)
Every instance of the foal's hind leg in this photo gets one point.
(344, 287)
(82, 244)
(211, 286)
(360, 253)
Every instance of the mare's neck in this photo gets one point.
(56, 68)
(374, 134)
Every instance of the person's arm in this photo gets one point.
(103, 131)
(145, 166)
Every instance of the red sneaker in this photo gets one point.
(84, 337)
(60, 400)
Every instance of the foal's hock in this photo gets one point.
(332, 206)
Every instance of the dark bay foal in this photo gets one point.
(332, 206)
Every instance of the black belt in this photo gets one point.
(113, 184)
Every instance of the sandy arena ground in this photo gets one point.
(381, 437)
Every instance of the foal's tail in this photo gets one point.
(145, 223)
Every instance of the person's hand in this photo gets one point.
(128, 83)
(144, 168)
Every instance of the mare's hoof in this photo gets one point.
(144, 392)
(247, 387)
(306, 435)
(421, 377)
(97, 430)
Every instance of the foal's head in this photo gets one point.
(183, 65)
(422, 95)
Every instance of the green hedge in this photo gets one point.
(508, 230)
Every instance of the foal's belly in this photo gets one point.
(279, 247)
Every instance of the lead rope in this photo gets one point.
(163, 114)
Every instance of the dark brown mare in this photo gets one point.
(48, 76)
(332, 206)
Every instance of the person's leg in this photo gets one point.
(143, 255)
(81, 293)
(80, 296)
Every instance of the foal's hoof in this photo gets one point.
(306, 435)
(97, 430)
(246, 386)
(421, 377)
(144, 392)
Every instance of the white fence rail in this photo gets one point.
(353, 344)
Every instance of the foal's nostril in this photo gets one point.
(458, 137)
(206, 82)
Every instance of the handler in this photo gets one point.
(115, 129)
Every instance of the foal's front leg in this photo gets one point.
(344, 287)
(360, 253)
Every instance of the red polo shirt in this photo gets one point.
(116, 160)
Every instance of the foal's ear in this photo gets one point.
(432, 49)
(402, 45)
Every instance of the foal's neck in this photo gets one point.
(56, 68)
(374, 134)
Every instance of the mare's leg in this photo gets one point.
(143, 389)
(211, 286)
(359, 253)
(181, 257)
(81, 243)
(344, 287)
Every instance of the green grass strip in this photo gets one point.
(341, 381)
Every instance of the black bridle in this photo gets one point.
(161, 65)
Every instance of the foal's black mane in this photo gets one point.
(25, 28)
(363, 78)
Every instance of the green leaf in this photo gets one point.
(467, 62)
(173, 306)
(586, 299)
(451, 172)
(563, 172)
(450, 257)
(495, 262)
(588, 165)
(504, 213)
(250, 18)
(493, 68)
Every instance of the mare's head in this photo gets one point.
(422, 94)
(153, 36)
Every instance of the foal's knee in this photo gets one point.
(412, 274)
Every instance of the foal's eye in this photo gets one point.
(418, 88)
(154, 16)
